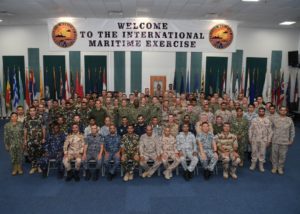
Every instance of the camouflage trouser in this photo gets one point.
(129, 164)
(242, 148)
(226, 158)
(168, 157)
(258, 151)
(279, 155)
(16, 154)
(35, 152)
(67, 161)
(210, 161)
(183, 160)
(43, 161)
(145, 165)
(91, 156)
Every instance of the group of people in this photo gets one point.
(147, 132)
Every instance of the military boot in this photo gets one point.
(20, 170)
(87, 175)
(280, 171)
(33, 170)
(76, 175)
(126, 176)
(253, 166)
(130, 176)
(225, 173)
(274, 170)
(69, 175)
(261, 166)
(14, 170)
(96, 175)
(233, 173)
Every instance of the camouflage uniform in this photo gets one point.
(84, 115)
(34, 128)
(73, 149)
(169, 152)
(112, 145)
(155, 111)
(13, 140)
(240, 128)
(130, 144)
(284, 133)
(217, 129)
(157, 130)
(260, 134)
(113, 113)
(145, 111)
(187, 145)
(53, 149)
(227, 150)
(211, 117)
(226, 115)
(54, 113)
(207, 143)
(123, 112)
(134, 112)
(178, 111)
(173, 128)
(149, 149)
(93, 143)
(164, 116)
(198, 127)
(104, 131)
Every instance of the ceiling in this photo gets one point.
(266, 13)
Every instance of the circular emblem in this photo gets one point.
(64, 34)
(221, 36)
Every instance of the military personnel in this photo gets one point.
(84, 112)
(99, 113)
(203, 118)
(112, 110)
(224, 113)
(130, 152)
(172, 125)
(218, 125)
(196, 108)
(73, 150)
(157, 129)
(77, 119)
(187, 147)
(228, 151)
(134, 111)
(104, 131)
(240, 128)
(189, 111)
(93, 150)
(169, 153)
(187, 121)
(155, 109)
(88, 129)
(210, 115)
(21, 114)
(149, 149)
(178, 110)
(144, 110)
(123, 111)
(34, 137)
(69, 112)
(62, 124)
(122, 129)
(207, 150)
(272, 113)
(284, 134)
(13, 140)
(140, 127)
(53, 149)
(112, 146)
(43, 115)
(165, 112)
(260, 135)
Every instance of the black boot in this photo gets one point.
(87, 175)
(186, 175)
(76, 175)
(69, 175)
(190, 174)
(44, 173)
(96, 175)
(60, 174)
(206, 174)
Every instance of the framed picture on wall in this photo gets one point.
(157, 85)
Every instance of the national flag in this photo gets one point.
(218, 83)
(182, 84)
(90, 81)
(242, 82)
(280, 91)
(202, 82)
(267, 87)
(236, 90)
(248, 84)
(230, 88)
(41, 85)
(2, 101)
(27, 96)
(188, 90)
(252, 91)
(21, 92)
(287, 93)
(175, 82)
(196, 82)
(32, 89)
(274, 90)
(104, 81)
(47, 89)
(61, 86)
(8, 92)
(224, 82)
(72, 88)
(67, 88)
(81, 94)
(78, 86)
(295, 100)
(16, 92)
(54, 83)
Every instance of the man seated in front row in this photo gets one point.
(73, 149)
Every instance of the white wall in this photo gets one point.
(255, 42)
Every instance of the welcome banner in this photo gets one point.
(142, 34)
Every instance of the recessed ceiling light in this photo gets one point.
(115, 13)
(1, 20)
(287, 23)
(251, 0)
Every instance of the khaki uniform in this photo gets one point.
(226, 115)
(73, 149)
(169, 152)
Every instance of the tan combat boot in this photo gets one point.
(145, 174)
(14, 170)
(274, 170)
(280, 171)
(19, 169)
(125, 178)
(225, 174)
(33, 170)
(166, 174)
(253, 166)
(261, 166)
(130, 176)
(233, 174)
(241, 164)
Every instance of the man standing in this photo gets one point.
(98, 113)
(73, 149)
(169, 153)
(186, 145)
(130, 152)
(149, 149)
(112, 145)
(93, 150)
(284, 133)
(207, 150)
(34, 137)
(228, 151)
(260, 135)
(224, 113)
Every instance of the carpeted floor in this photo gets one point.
(253, 192)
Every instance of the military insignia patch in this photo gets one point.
(64, 34)
(221, 36)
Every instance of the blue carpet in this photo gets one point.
(253, 192)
